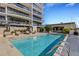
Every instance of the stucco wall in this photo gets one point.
(70, 26)
(34, 28)
(66, 26)
(72, 31)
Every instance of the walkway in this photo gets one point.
(74, 45)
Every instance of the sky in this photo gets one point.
(61, 13)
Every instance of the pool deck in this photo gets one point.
(74, 46)
(6, 47)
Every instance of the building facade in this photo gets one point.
(59, 27)
(14, 16)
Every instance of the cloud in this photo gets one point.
(50, 4)
(70, 4)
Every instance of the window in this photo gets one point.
(2, 18)
(2, 9)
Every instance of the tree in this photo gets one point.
(48, 28)
(41, 29)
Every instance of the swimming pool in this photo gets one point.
(37, 45)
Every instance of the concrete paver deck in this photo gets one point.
(74, 45)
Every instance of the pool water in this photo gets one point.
(37, 45)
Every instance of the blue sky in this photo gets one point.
(61, 12)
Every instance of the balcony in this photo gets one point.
(2, 22)
(37, 5)
(37, 9)
(2, 9)
(17, 14)
(14, 11)
(37, 20)
(18, 23)
(13, 6)
(22, 6)
(37, 24)
(37, 12)
(37, 15)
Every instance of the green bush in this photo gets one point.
(42, 29)
(14, 32)
(48, 28)
(66, 30)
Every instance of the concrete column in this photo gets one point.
(55, 29)
(6, 14)
(7, 25)
(32, 17)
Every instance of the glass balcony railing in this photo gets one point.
(37, 12)
(37, 18)
(2, 21)
(36, 6)
(13, 11)
(36, 24)
(17, 23)
(22, 6)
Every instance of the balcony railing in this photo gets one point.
(22, 6)
(34, 18)
(36, 24)
(37, 12)
(12, 11)
(17, 23)
(2, 21)
(36, 6)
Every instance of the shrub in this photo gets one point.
(42, 29)
(4, 35)
(12, 32)
(66, 30)
(48, 28)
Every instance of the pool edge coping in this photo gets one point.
(62, 44)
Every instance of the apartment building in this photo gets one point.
(14, 16)
(37, 15)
